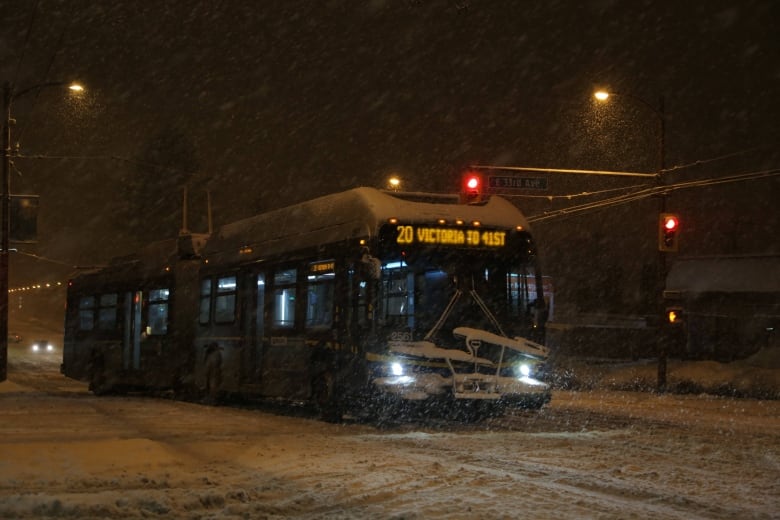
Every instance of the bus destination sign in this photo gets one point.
(444, 236)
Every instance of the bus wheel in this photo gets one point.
(98, 382)
(326, 398)
(98, 386)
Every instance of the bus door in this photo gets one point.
(145, 340)
(285, 358)
(131, 341)
(253, 330)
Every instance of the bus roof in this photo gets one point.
(352, 214)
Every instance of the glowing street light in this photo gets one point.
(394, 183)
(603, 96)
(10, 95)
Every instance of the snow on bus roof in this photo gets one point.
(350, 214)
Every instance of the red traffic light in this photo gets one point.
(670, 222)
(471, 190)
(668, 232)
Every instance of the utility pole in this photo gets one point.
(5, 209)
(661, 337)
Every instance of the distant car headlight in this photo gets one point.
(397, 369)
(42, 346)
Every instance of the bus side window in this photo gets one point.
(205, 301)
(87, 313)
(225, 300)
(398, 304)
(284, 298)
(320, 294)
(260, 306)
(157, 318)
(107, 311)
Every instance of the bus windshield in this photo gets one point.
(427, 291)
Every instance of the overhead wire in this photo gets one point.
(651, 192)
(575, 195)
(104, 157)
(50, 65)
(701, 162)
(26, 43)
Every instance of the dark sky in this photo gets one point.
(266, 103)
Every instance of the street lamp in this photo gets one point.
(394, 183)
(658, 113)
(10, 95)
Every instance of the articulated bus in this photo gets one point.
(363, 303)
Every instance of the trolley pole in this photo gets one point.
(5, 209)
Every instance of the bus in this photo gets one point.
(363, 303)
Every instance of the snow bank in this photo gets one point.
(757, 376)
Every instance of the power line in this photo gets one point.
(575, 195)
(562, 170)
(701, 162)
(26, 43)
(47, 259)
(56, 51)
(104, 157)
(650, 192)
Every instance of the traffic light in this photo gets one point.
(668, 232)
(675, 315)
(471, 188)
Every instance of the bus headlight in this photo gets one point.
(524, 370)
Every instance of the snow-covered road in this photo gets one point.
(67, 454)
